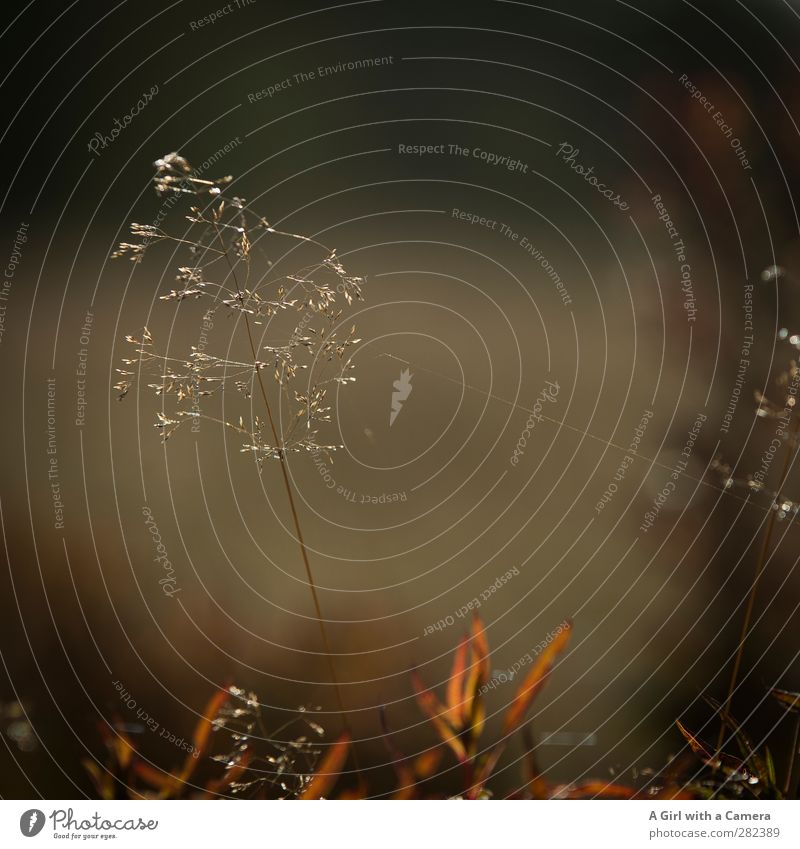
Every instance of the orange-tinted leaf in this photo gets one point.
(601, 790)
(537, 785)
(730, 765)
(202, 732)
(205, 726)
(152, 776)
(427, 763)
(456, 692)
(479, 668)
(406, 781)
(353, 793)
(232, 773)
(436, 712)
(787, 699)
(401, 764)
(102, 779)
(484, 768)
(748, 750)
(325, 777)
(118, 743)
(535, 680)
(474, 712)
(696, 745)
(476, 724)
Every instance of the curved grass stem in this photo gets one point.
(293, 508)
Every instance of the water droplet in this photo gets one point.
(772, 272)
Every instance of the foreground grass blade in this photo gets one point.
(437, 713)
(791, 701)
(535, 680)
(329, 770)
(746, 747)
(731, 766)
(537, 785)
(202, 732)
(456, 686)
(601, 790)
(473, 713)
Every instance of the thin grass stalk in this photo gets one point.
(292, 506)
(760, 565)
(794, 754)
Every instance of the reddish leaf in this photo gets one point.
(537, 785)
(479, 669)
(118, 743)
(456, 686)
(787, 699)
(480, 770)
(353, 793)
(436, 712)
(156, 778)
(601, 790)
(232, 774)
(102, 778)
(730, 765)
(696, 745)
(426, 764)
(202, 733)
(535, 680)
(325, 777)
(401, 764)
(205, 726)
(748, 750)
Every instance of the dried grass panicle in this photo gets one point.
(228, 269)
(270, 763)
(779, 406)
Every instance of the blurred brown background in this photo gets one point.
(482, 327)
